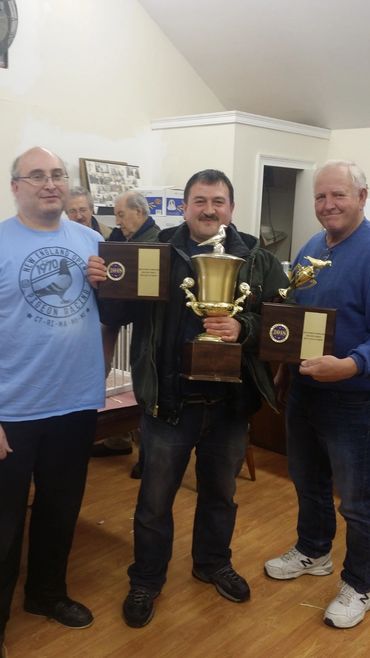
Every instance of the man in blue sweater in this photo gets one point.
(328, 410)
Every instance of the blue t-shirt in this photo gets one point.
(51, 356)
(344, 286)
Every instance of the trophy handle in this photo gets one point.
(244, 288)
(284, 292)
(187, 283)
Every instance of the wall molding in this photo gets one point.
(241, 118)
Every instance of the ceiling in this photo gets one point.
(306, 61)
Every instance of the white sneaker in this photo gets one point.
(293, 564)
(348, 608)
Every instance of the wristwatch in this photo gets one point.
(8, 28)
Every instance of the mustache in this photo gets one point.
(205, 215)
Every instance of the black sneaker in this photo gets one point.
(138, 607)
(227, 582)
(66, 612)
(136, 472)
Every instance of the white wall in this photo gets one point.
(352, 145)
(85, 79)
(183, 151)
(251, 144)
(237, 150)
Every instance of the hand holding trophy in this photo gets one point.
(293, 332)
(217, 274)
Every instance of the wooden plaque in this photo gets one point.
(212, 361)
(291, 333)
(135, 270)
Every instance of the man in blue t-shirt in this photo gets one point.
(328, 412)
(51, 385)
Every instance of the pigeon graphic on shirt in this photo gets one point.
(54, 284)
(59, 285)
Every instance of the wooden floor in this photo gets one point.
(283, 619)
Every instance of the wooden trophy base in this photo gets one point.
(212, 361)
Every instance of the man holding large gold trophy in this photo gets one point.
(203, 400)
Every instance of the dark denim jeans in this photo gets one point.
(329, 445)
(219, 437)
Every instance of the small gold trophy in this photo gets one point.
(303, 276)
(208, 357)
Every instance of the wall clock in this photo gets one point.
(8, 28)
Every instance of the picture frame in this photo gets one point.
(106, 179)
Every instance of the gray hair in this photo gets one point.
(14, 172)
(82, 191)
(356, 173)
(135, 201)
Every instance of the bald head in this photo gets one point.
(34, 151)
(39, 184)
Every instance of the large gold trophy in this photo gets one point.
(208, 357)
(291, 332)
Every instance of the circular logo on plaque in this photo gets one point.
(115, 271)
(279, 333)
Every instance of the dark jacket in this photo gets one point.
(158, 328)
(101, 228)
(147, 233)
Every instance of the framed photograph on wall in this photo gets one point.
(107, 179)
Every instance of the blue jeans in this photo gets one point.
(329, 446)
(219, 437)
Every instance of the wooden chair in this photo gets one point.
(250, 462)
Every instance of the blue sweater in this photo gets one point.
(346, 287)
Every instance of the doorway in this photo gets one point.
(284, 209)
(277, 210)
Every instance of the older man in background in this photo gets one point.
(80, 208)
(134, 224)
(133, 221)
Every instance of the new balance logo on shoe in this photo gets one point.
(348, 608)
(293, 564)
(306, 562)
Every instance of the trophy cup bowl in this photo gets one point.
(216, 277)
(304, 276)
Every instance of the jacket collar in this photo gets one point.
(237, 243)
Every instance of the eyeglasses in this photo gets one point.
(38, 179)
